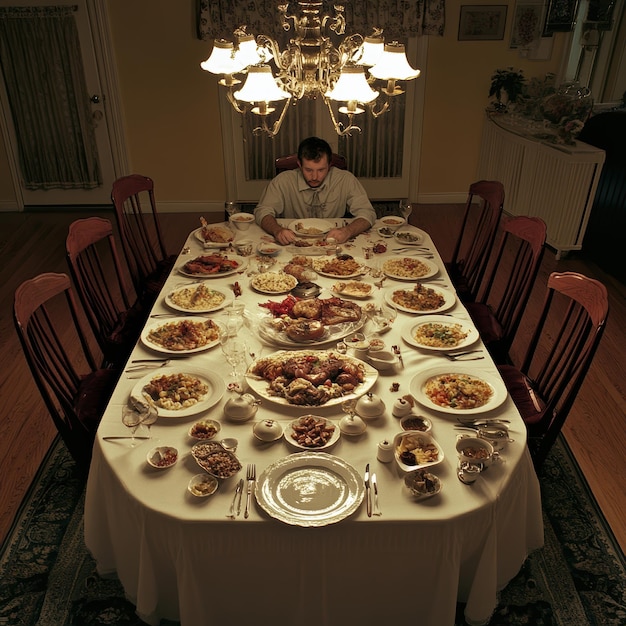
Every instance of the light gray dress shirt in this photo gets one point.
(288, 195)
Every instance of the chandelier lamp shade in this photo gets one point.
(260, 76)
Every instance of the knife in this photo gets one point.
(125, 437)
(236, 498)
(377, 511)
(368, 492)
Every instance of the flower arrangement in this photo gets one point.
(506, 81)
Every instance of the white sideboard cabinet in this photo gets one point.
(554, 182)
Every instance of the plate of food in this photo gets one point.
(273, 282)
(181, 335)
(197, 298)
(343, 266)
(420, 299)
(310, 227)
(312, 321)
(458, 390)
(212, 266)
(409, 268)
(440, 333)
(311, 247)
(310, 489)
(353, 289)
(310, 377)
(416, 450)
(311, 432)
(409, 237)
(214, 235)
(180, 392)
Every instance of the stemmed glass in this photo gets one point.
(235, 351)
(132, 419)
(405, 208)
(231, 207)
(147, 411)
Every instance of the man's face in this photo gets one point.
(314, 172)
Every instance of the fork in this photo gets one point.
(132, 369)
(463, 356)
(250, 478)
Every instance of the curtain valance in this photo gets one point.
(399, 18)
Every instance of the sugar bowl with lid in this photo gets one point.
(241, 407)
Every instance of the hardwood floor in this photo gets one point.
(34, 242)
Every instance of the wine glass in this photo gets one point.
(405, 207)
(148, 412)
(231, 207)
(131, 418)
(235, 351)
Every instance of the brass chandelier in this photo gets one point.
(308, 67)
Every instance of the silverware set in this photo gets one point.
(140, 366)
(464, 356)
(371, 493)
(234, 512)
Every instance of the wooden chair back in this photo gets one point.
(506, 289)
(290, 162)
(141, 234)
(476, 237)
(102, 285)
(560, 351)
(62, 357)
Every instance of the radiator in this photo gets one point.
(555, 183)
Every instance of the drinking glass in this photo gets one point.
(235, 351)
(234, 318)
(231, 207)
(405, 208)
(131, 418)
(148, 412)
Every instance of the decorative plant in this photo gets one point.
(509, 81)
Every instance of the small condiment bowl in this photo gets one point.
(370, 406)
(241, 221)
(267, 430)
(422, 484)
(202, 485)
(382, 360)
(244, 247)
(162, 457)
(204, 430)
(474, 450)
(268, 249)
(416, 422)
(496, 434)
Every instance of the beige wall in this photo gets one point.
(170, 105)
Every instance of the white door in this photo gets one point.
(99, 108)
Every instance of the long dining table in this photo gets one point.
(180, 557)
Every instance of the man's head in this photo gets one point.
(314, 156)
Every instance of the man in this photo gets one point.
(315, 189)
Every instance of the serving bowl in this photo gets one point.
(382, 360)
(392, 222)
(425, 451)
(162, 457)
(268, 249)
(204, 430)
(241, 221)
(202, 485)
(416, 422)
(422, 484)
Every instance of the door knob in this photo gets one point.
(95, 99)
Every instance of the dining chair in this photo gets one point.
(505, 291)
(62, 357)
(141, 235)
(115, 314)
(290, 162)
(476, 237)
(558, 356)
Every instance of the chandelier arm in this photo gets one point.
(383, 109)
(233, 101)
(339, 126)
(273, 131)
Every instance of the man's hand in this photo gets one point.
(352, 229)
(340, 235)
(285, 236)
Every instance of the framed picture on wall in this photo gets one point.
(527, 24)
(561, 16)
(482, 22)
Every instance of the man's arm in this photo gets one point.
(283, 235)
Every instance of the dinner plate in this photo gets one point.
(408, 332)
(289, 431)
(310, 489)
(414, 237)
(145, 339)
(359, 291)
(315, 247)
(261, 386)
(427, 269)
(273, 282)
(318, 264)
(214, 394)
(242, 262)
(418, 382)
(213, 244)
(213, 295)
(300, 226)
(448, 296)
(332, 333)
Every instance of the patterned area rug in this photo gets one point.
(47, 578)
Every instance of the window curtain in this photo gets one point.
(47, 93)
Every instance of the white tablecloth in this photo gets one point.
(179, 557)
